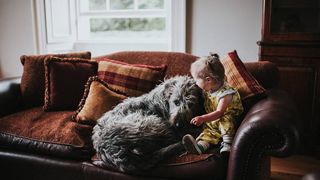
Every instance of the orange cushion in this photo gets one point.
(238, 77)
(131, 79)
(98, 98)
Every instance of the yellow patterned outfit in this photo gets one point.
(214, 130)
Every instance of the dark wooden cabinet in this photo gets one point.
(291, 39)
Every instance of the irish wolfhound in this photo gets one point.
(141, 131)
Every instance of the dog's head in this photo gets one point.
(184, 98)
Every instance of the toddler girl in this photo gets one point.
(222, 104)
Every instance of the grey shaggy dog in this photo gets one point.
(141, 131)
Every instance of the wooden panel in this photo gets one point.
(317, 110)
(290, 49)
(291, 39)
(299, 82)
(300, 78)
(283, 21)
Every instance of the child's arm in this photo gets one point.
(215, 115)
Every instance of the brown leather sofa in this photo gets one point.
(267, 129)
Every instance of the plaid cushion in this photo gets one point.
(238, 77)
(131, 79)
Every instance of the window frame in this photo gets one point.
(177, 39)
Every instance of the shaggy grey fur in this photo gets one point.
(141, 131)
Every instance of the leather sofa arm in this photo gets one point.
(268, 129)
(10, 96)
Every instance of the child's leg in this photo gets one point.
(204, 146)
(193, 146)
(226, 127)
(226, 143)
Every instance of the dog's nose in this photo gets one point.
(179, 125)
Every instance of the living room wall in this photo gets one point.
(212, 25)
(224, 25)
(17, 35)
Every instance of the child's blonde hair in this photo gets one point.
(208, 66)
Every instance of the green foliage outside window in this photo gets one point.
(126, 24)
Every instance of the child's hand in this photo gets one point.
(197, 121)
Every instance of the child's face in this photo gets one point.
(206, 83)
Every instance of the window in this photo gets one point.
(105, 26)
(123, 20)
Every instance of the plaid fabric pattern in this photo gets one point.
(131, 79)
(239, 78)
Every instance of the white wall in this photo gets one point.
(17, 35)
(214, 25)
(225, 25)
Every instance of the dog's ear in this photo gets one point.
(167, 91)
(168, 87)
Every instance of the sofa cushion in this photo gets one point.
(98, 98)
(205, 166)
(51, 133)
(32, 80)
(65, 80)
(237, 76)
(131, 79)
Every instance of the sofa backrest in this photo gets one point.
(266, 73)
(179, 64)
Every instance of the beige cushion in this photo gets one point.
(97, 99)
